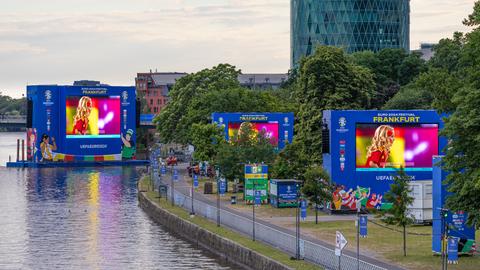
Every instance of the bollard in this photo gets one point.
(18, 149)
(23, 150)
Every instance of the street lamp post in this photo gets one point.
(192, 212)
(172, 187)
(297, 225)
(217, 175)
(358, 234)
(253, 209)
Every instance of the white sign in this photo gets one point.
(340, 243)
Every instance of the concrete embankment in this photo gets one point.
(231, 252)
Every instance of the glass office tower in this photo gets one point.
(354, 25)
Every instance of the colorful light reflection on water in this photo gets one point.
(84, 219)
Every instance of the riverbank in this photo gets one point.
(227, 244)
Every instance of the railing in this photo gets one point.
(286, 242)
(13, 119)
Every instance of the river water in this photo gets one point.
(83, 218)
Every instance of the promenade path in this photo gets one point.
(278, 223)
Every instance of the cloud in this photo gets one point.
(12, 47)
(53, 41)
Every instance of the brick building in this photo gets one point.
(155, 86)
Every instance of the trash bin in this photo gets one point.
(233, 199)
(208, 188)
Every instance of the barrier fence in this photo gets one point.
(286, 242)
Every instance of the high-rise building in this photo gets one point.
(355, 25)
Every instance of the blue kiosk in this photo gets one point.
(80, 126)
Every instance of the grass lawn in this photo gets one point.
(388, 244)
(226, 233)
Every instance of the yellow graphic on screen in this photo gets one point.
(397, 152)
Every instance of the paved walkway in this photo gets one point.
(185, 188)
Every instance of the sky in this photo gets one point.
(59, 41)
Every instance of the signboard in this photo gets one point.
(258, 197)
(88, 123)
(356, 163)
(452, 249)
(222, 186)
(195, 180)
(164, 170)
(256, 178)
(340, 243)
(277, 127)
(303, 208)
(175, 175)
(363, 226)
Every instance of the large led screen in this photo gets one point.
(93, 117)
(394, 146)
(270, 129)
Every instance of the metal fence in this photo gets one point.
(310, 251)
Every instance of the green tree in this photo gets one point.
(196, 96)
(206, 140)
(434, 88)
(392, 68)
(317, 187)
(174, 121)
(327, 80)
(399, 196)
(290, 163)
(245, 147)
(448, 53)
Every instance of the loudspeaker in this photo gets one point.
(138, 110)
(29, 113)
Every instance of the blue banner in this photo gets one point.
(222, 186)
(258, 197)
(164, 170)
(452, 249)
(303, 207)
(195, 181)
(175, 175)
(363, 226)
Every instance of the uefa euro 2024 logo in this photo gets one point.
(48, 96)
(342, 122)
(125, 96)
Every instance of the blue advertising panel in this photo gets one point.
(164, 170)
(278, 127)
(175, 175)
(456, 221)
(222, 186)
(363, 226)
(86, 122)
(303, 210)
(283, 193)
(195, 180)
(368, 147)
(258, 197)
(452, 250)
